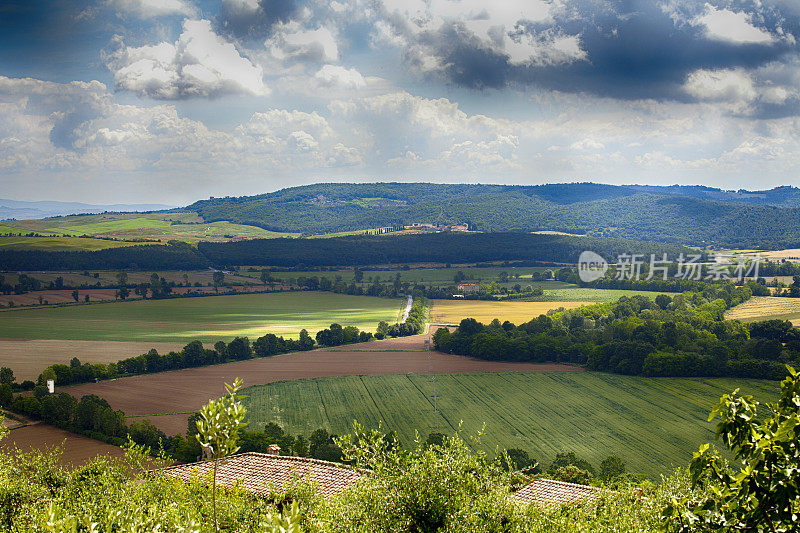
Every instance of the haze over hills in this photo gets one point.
(21, 210)
(679, 214)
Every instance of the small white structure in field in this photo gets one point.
(51, 386)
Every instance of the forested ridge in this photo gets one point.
(357, 250)
(687, 215)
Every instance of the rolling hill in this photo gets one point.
(675, 214)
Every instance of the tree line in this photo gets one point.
(194, 354)
(93, 417)
(682, 335)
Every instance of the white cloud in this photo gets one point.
(145, 9)
(587, 145)
(776, 95)
(200, 63)
(242, 6)
(292, 42)
(280, 123)
(734, 87)
(337, 76)
(76, 139)
(503, 27)
(726, 25)
(543, 48)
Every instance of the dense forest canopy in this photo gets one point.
(681, 335)
(677, 214)
(355, 250)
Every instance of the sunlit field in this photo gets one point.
(766, 308)
(209, 318)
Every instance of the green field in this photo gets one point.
(651, 423)
(182, 226)
(573, 293)
(112, 226)
(208, 318)
(60, 244)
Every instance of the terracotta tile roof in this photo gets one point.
(558, 492)
(258, 470)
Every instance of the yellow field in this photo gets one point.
(760, 308)
(452, 311)
(777, 255)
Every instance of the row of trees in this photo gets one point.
(684, 335)
(93, 416)
(195, 354)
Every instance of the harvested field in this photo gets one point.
(760, 308)
(28, 357)
(792, 254)
(77, 449)
(413, 343)
(452, 311)
(788, 280)
(186, 390)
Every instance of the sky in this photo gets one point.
(171, 101)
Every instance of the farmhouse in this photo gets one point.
(469, 287)
(549, 491)
(261, 472)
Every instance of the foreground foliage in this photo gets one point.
(443, 487)
(439, 485)
(764, 494)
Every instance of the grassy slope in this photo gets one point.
(208, 319)
(139, 226)
(60, 244)
(651, 423)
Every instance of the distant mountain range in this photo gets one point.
(694, 215)
(20, 210)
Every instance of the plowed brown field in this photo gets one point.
(76, 448)
(166, 397)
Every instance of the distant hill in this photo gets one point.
(677, 214)
(32, 210)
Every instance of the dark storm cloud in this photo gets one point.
(47, 39)
(468, 61)
(250, 25)
(634, 49)
(642, 52)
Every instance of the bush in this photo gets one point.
(430, 488)
(763, 495)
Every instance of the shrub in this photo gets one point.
(764, 494)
